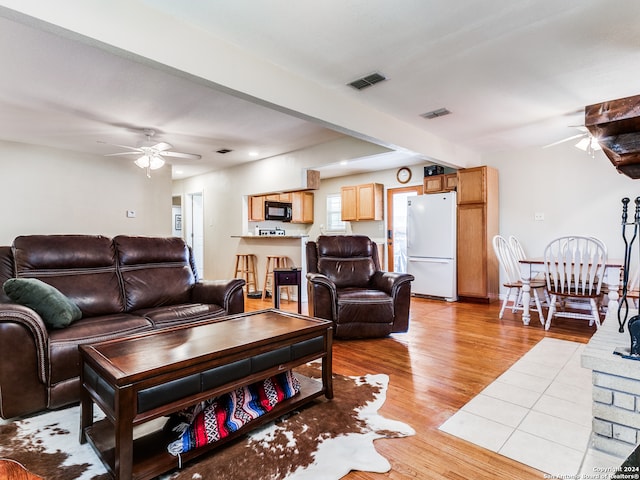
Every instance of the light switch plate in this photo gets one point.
(131, 214)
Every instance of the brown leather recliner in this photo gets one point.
(346, 285)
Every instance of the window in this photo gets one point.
(334, 214)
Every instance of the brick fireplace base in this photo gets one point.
(616, 390)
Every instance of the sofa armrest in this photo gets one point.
(23, 361)
(322, 295)
(390, 282)
(226, 293)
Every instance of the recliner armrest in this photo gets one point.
(226, 293)
(320, 279)
(322, 295)
(390, 282)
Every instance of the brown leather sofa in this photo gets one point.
(122, 286)
(346, 285)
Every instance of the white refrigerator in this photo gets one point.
(431, 245)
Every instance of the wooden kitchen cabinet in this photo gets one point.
(450, 181)
(472, 185)
(362, 202)
(478, 269)
(256, 208)
(302, 207)
(433, 184)
(440, 183)
(349, 203)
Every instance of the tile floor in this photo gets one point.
(538, 413)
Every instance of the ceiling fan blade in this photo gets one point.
(121, 153)
(135, 149)
(191, 156)
(162, 146)
(565, 140)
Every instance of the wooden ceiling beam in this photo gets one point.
(616, 126)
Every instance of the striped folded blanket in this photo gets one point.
(215, 419)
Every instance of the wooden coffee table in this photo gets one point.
(139, 379)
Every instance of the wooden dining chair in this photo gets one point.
(510, 266)
(520, 254)
(516, 247)
(574, 270)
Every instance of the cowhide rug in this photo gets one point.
(325, 439)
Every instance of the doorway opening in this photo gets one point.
(188, 223)
(397, 226)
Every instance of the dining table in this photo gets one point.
(531, 267)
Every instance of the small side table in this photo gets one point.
(286, 277)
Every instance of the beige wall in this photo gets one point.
(576, 193)
(48, 191)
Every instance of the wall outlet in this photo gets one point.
(538, 217)
(131, 214)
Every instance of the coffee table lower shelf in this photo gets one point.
(151, 457)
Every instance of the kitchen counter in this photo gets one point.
(292, 246)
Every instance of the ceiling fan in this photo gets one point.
(151, 155)
(586, 142)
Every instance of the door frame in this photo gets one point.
(419, 189)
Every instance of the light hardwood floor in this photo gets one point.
(451, 352)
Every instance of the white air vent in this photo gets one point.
(367, 81)
(440, 112)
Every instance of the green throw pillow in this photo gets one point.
(56, 310)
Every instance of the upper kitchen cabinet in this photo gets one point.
(302, 207)
(473, 184)
(256, 208)
(362, 202)
(440, 183)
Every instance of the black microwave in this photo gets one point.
(277, 211)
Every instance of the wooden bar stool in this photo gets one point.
(246, 268)
(274, 261)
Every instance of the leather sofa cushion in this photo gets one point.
(63, 344)
(81, 267)
(155, 271)
(346, 263)
(180, 314)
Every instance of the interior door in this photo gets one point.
(397, 226)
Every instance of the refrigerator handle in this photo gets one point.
(430, 260)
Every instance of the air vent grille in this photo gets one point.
(223, 151)
(367, 81)
(440, 112)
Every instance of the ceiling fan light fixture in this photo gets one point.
(143, 161)
(588, 143)
(156, 162)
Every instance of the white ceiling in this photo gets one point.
(513, 74)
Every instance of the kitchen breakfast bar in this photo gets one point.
(276, 244)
